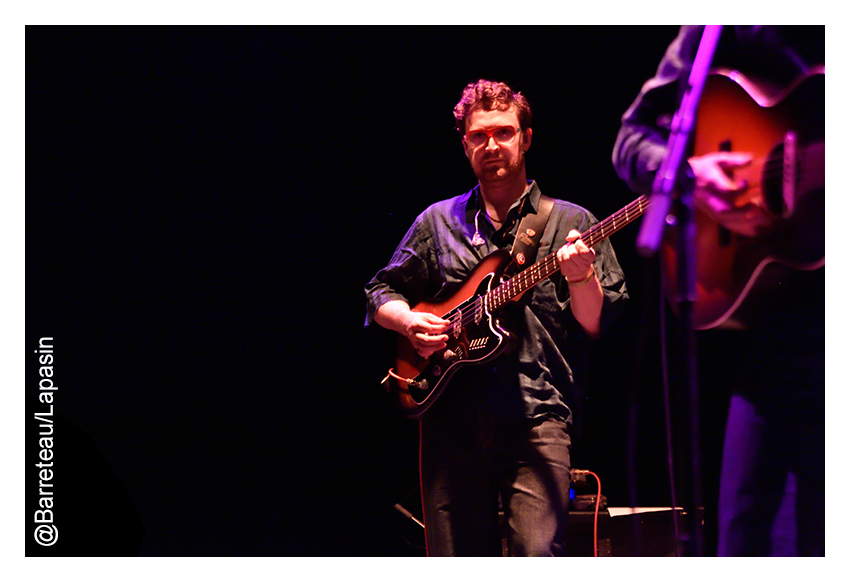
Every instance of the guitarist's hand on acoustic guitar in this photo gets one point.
(722, 195)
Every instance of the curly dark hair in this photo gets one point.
(489, 95)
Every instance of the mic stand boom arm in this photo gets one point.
(674, 165)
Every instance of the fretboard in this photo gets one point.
(531, 276)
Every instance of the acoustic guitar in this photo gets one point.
(784, 131)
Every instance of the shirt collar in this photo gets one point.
(532, 192)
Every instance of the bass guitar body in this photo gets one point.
(475, 337)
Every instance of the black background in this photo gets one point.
(203, 207)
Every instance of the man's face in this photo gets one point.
(494, 156)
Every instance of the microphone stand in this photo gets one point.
(674, 176)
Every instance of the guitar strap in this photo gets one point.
(528, 236)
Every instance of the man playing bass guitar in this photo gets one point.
(500, 429)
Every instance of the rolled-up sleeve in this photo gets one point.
(406, 277)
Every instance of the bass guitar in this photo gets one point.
(475, 333)
(784, 131)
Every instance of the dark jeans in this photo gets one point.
(775, 439)
(761, 451)
(469, 460)
(772, 478)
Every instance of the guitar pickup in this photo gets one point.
(479, 311)
(457, 326)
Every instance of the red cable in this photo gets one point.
(596, 512)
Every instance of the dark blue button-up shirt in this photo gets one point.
(437, 255)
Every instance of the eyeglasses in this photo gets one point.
(503, 134)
